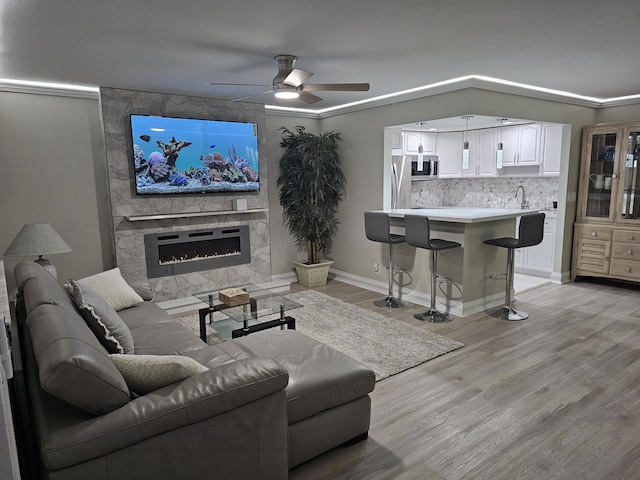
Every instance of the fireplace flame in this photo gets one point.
(195, 258)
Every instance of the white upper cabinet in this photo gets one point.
(396, 140)
(554, 146)
(521, 145)
(449, 151)
(482, 153)
(412, 141)
(532, 149)
(488, 149)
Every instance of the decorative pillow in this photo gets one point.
(103, 321)
(113, 288)
(141, 285)
(146, 373)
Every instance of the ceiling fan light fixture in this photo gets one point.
(286, 92)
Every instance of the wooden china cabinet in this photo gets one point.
(606, 241)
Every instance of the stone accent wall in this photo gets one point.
(485, 192)
(116, 106)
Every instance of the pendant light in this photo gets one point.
(500, 151)
(420, 149)
(465, 144)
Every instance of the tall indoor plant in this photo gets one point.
(312, 184)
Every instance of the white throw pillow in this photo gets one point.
(146, 373)
(113, 288)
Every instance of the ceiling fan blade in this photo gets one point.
(250, 96)
(337, 87)
(308, 97)
(239, 84)
(296, 77)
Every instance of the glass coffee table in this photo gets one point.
(244, 319)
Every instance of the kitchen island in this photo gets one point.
(470, 268)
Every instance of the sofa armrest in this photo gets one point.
(195, 399)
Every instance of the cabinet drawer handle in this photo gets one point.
(594, 234)
(632, 237)
(629, 269)
(629, 252)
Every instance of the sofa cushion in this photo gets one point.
(43, 287)
(165, 338)
(26, 269)
(103, 320)
(146, 373)
(113, 287)
(320, 377)
(145, 313)
(72, 364)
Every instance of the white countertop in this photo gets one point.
(460, 214)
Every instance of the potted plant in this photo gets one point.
(312, 185)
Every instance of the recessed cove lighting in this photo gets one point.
(49, 85)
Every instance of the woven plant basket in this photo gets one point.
(312, 275)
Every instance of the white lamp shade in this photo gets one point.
(37, 239)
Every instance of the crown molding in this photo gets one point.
(461, 83)
(56, 89)
(470, 81)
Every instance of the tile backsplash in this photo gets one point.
(485, 192)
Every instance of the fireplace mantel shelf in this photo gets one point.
(166, 216)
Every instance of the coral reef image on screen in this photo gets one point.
(179, 155)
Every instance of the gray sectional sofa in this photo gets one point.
(257, 407)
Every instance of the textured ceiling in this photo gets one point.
(588, 47)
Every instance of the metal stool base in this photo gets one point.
(504, 312)
(433, 316)
(390, 302)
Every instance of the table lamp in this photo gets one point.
(38, 239)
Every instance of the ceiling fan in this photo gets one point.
(289, 83)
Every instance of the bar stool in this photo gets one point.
(377, 226)
(530, 233)
(418, 234)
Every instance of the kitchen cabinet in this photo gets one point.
(554, 147)
(449, 151)
(607, 228)
(520, 145)
(412, 141)
(396, 140)
(482, 153)
(538, 260)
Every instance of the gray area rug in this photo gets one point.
(385, 345)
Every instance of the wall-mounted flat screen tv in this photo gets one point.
(180, 155)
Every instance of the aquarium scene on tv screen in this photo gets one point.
(180, 155)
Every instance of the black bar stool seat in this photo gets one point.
(377, 226)
(530, 233)
(418, 234)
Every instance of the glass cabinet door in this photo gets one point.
(630, 208)
(601, 174)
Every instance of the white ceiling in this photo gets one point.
(588, 47)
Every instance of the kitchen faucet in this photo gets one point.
(524, 204)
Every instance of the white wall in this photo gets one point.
(53, 172)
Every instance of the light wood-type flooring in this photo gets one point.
(556, 396)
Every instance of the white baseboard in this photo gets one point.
(421, 298)
(564, 277)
